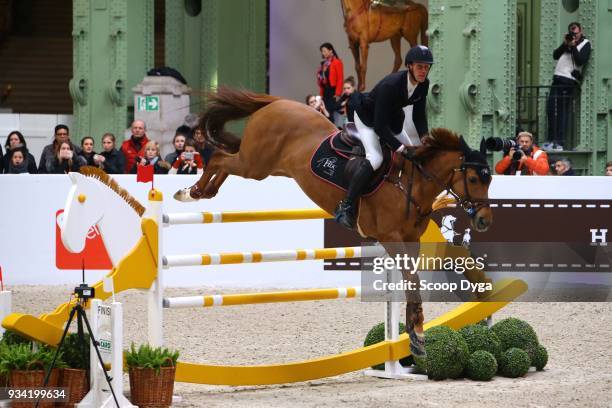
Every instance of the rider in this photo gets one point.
(380, 116)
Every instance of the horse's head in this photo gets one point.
(84, 208)
(469, 184)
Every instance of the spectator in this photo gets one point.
(179, 145)
(88, 156)
(329, 78)
(18, 161)
(571, 56)
(14, 140)
(151, 157)
(65, 160)
(135, 145)
(48, 156)
(189, 161)
(315, 102)
(112, 160)
(202, 145)
(609, 168)
(347, 102)
(533, 160)
(563, 167)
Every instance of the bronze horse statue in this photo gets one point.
(364, 25)
(280, 138)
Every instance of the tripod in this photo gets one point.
(79, 310)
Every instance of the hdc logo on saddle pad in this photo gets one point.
(94, 254)
(328, 165)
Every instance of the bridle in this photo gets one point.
(470, 206)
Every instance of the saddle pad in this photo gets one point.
(329, 164)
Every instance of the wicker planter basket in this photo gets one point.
(151, 390)
(32, 379)
(76, 381)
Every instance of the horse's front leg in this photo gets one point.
(414, 305)
(363, 62)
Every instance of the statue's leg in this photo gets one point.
(396, 45)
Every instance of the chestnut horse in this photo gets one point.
(280, 138)
(365, 25)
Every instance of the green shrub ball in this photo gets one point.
(377, 334)
(541, 358)
(481, 366)
(514, 363)
(480, 337)
(517, 333)
(447, 353)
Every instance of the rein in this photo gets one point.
(469, 205)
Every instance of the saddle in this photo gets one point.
(338, 155)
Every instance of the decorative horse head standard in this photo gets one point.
(365, 24)
(280, 139)
(95, 198)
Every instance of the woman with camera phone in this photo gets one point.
(152, 158)
(65, 159)
(188, 162)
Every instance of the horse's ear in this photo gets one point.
(483, 146)
(463, 146)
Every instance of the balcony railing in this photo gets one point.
(549, 117)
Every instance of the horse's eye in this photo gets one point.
(473, 179)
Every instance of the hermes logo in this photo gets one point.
(599, 235)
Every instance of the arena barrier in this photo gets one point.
(137, 256)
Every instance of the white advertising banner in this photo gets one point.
(30, 205)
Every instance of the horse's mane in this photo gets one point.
(438, 140)
(101, 176)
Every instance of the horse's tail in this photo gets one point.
(227, 104)
(424, 24)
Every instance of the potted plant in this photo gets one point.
(27, 367)
(151, 372)
(9, 338)
(75, 353)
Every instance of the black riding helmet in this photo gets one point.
(419, 53)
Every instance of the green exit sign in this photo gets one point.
(148, 103)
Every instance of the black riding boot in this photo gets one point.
(345, 212)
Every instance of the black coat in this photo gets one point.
(114, 162)
(382, 108)
(63, 168)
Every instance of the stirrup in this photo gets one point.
(344, 214)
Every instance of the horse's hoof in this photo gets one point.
(417, 344)
(184, 196)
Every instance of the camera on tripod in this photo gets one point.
(84, 292)
(497, 144)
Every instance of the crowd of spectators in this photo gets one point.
(191, 154)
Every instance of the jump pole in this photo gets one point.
(156, 300)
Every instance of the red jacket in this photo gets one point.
(535, 164)
(130, 151)
(336, 77)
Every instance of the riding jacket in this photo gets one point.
(382, 108)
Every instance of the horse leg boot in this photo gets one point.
(345, 213)
(414, 327)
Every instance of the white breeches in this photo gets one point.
(371, 142)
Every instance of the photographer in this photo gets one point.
(571, 57)
(523, 158)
